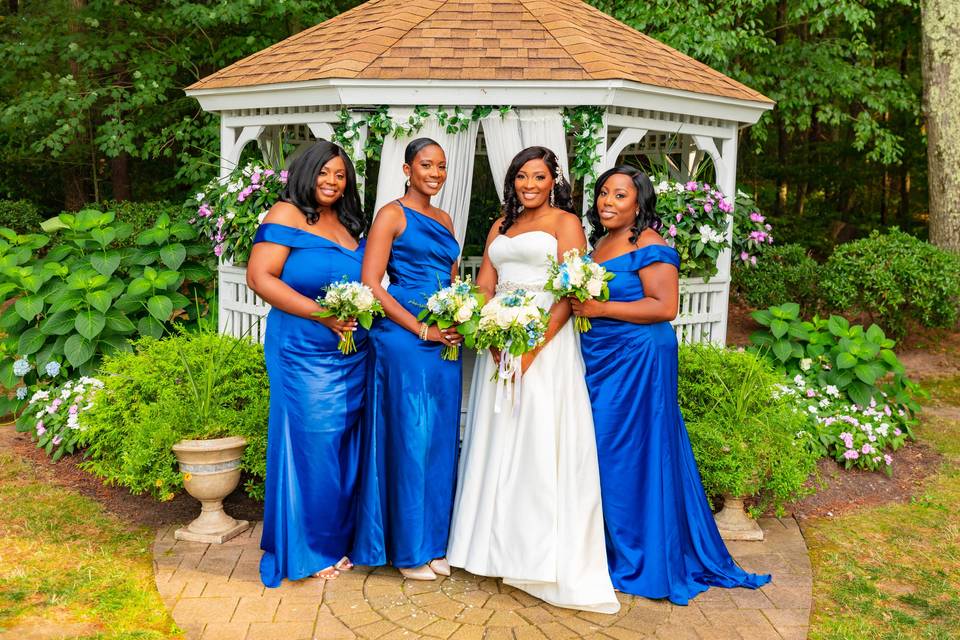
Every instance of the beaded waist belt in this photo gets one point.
(505, 286)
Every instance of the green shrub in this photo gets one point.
(784, 273)
(744, 436)
(140, 215)
(146, 406)
(20, 215)
(893, 277)
(87, 296)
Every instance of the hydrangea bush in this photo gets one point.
(54, 417)
(853, 435)
(228, 212)
(694, 217)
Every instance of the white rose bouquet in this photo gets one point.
(515, 325)
(578, 276)
(459, 304)
(349, 299)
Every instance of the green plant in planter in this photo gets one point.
(859, 362)
(150, 402)
(87, 296)
(748, 441)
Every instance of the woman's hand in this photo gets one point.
(527, 359)
(337, 325)
(590, 308)
(448, 336)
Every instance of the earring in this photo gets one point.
(407, 183)
(553, 200)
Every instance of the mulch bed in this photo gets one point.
(141, 510)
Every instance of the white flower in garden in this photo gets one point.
(52, 369)
(805, 364)
(799, 381)
(833, 391)
(39, 395)
(200, 196)
(21, 367)
(21, 393)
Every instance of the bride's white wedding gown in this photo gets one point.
(527, 507)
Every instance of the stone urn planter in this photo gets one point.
(211, 471)
(734, 523)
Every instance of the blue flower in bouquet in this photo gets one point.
(52, 369)
(21, 367)
(21, 393)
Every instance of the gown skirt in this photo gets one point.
(662, 541)
(412, 417)
(528, 503)
(316, 402)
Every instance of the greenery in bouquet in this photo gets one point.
(456, 305)
(228, 212)
(54, 417)
(349, 299)
(512, 323)
(579, 276)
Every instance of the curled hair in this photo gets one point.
(301, 189)
(512, 208)
(646, 204)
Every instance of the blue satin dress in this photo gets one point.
(662, 541)
(316, 403)
(412, 416)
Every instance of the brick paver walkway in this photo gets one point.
(215, 594)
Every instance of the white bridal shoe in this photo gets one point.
(440, 566)
(422, 572)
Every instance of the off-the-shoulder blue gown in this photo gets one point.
(316, 403)
(662, 541)
(412, 416)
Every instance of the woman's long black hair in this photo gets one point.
(301, 189)
(646, 204)
(512, 208)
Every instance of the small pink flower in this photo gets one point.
(255, 178)
(218, 250)
(753, 260)
(672, 231)
(73, 409)
(268, 173)
(205, 211)
(811, 393)
(679, 217)
(867, 448)
(692, 186)
(708, 206)
(57, 440)
(888, 458)
(283, 177)
(851, 454)
(768, 227)
(756, 217)
(744, 256)
(40, 428)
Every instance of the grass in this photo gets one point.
(893, 572)
(70, 568)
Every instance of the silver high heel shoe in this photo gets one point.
(422, 572)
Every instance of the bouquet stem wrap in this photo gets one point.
(508, 371)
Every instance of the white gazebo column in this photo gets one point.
(232, 142)
(725, 166)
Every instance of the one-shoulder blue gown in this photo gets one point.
(316, 403)
(662, 541)
(412, 418)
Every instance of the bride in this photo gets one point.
(527, 506)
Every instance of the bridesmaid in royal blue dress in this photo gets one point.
(306, 242)
(412, 416)
(662, 541)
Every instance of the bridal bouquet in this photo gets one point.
(515, 325)
(459, 304)
(578, 276)
(349, 299)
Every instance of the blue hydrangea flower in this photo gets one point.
(21, 393)
(52, 369)
(21, 367)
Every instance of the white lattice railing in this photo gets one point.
(703, 305)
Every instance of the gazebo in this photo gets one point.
(484, 77)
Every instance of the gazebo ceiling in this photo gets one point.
(487, 40)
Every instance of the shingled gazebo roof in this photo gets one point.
(506, 40)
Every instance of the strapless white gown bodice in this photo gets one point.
(527, 507)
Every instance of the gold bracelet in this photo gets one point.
(423, 330)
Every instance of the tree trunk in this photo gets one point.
(780, 204)
(120, 177)
(13, 7)
(941, 93)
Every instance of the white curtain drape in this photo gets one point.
(460, 149)
(518, 129)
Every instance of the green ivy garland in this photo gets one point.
(585, 124)
(380, 125)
